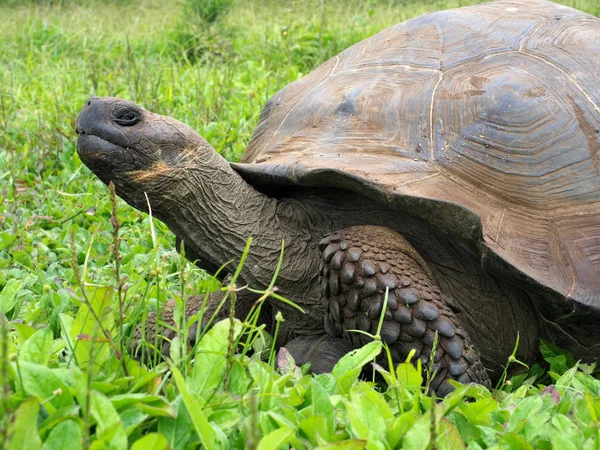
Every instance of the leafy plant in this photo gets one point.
(207, 10)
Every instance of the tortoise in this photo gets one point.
(448, 164)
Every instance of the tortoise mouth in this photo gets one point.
(103, 157)
(90, 145)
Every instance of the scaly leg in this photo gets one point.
(358, 264)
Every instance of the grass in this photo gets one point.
(213, 70)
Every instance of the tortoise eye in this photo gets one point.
(126, 117)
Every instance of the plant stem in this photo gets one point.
(5, 385)
(114, 220)
(230, 337)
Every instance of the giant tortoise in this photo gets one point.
(452, 160)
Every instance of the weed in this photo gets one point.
(207, 10)
(6, 411)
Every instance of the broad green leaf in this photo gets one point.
(389, 378)
(24, 332)
(515, 442)
(179, 430)
(348, 368)
(291, 422)
(23, 430)
(158, 409)
(356, 359)
(463, 391)
(64, 436)
(104, 387)
(345, 381)
(86, 332)
(8, 296)
(375, 397)
(201, 423)
(80, 386)
(559, 364)
(564, 434)
(176, 350)
(137, 374)
(315, 427)
(586, 383)
(317, 399)
(145, 381)
(239, 380)
(358, 428)
(131, 419)
(281, 421)
(110, 432)
(519, 394)
(550, 352)
(211, 358)
(126, 400)
(585, 409)
(536, 426)
(349, 444)
(6, 240)
(11, 354)
(264, 377)
(327, 381)
(566, 379)
(267, 423)
(295, 395)
(399, 426)
(225, 419)
(152, 441)
(61, 415)
(478, 411)
(23, 258)
(368, 408)
(409, 376)
(468, 431)
(43, 383)
(37, 349)
(448, 437)
(418, 437)
(66, 325)
(275, 439)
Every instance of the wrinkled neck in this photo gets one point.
(215, 212)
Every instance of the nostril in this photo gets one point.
(89, 103)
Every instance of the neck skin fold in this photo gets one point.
(214, 211)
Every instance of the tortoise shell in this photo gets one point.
(484, 120)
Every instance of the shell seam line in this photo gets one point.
(566, 258)
(526, 39)
(500, 225)
(431, 129)
(571, 78)
(543, 60)
(337, 60)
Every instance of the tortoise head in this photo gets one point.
(139, 151)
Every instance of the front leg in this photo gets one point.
(321, 351)
(154, 334)
(358, 264)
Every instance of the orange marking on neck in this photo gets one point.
(157, 169)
